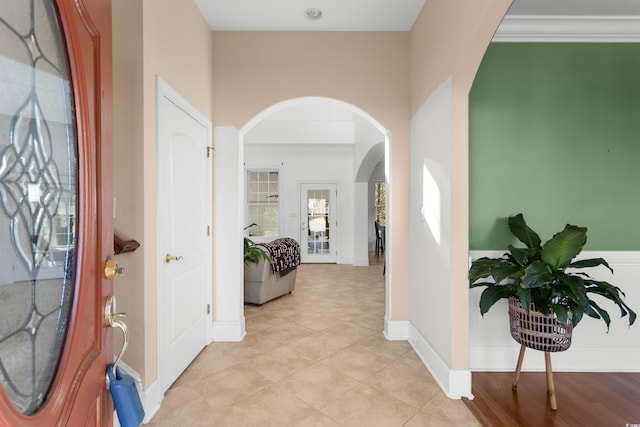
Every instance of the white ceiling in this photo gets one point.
(374, 15)
(288, 15)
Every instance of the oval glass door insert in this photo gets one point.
(38, 193)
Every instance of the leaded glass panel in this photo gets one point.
(38, 193)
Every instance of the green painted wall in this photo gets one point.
(555, 134)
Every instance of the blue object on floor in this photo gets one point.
(125, 398)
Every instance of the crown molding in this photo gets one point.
(613, 29)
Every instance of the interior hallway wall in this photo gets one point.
(254, 70)
(168, 38)
(305, 164)
(448, 42)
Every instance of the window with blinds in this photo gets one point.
(263, 205)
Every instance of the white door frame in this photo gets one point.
(164, 90)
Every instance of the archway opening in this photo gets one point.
(323, 140)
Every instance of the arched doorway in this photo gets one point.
(317, 140)
(230, 166)
(371, 143)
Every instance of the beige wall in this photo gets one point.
(168, 38)
(449, 39)
(254, 70)
(128, 174)
(248, 72)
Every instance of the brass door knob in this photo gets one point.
(168, 258)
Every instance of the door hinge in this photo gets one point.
(209, 150)
(208, 308)
(208, 230)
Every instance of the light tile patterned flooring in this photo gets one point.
(316, 357)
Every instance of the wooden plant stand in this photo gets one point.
(551, 389)
(538, 332)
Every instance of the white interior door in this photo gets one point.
(184, 242)
(318, 224)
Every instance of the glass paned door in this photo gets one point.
(38, 193)
(318, 224)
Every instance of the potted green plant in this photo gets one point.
(546, 276)
(253, 253)
(548, 291)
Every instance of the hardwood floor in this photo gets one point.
(584, 399)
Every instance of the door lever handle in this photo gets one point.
(168, 258)
(111, 318)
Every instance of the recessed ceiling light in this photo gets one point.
(313, 13)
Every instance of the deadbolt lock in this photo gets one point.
(111, 269)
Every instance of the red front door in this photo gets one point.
(56, 227)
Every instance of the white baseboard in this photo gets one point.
(228, 331)
(454, 383)
(151, 398)
(396, 330)
(460, 384)
(361, 262)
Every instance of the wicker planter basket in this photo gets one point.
(537, 331)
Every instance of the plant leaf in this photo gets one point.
(536, 275)
(603, 314)
(524, 294)
(253, 254)
(612, 293)
(561, 311)
(576, 312)
(521, 255)
(632, 315)
(521, 230)
(587, 263)
(492, 294)
(573, 287)
(482, 267)
(564, 246)
(504, 271)
(605, 289)
(498, 268)
(479, 284)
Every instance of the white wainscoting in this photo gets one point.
(491, 347)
